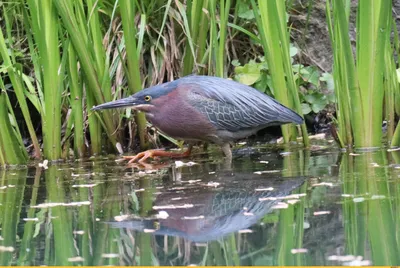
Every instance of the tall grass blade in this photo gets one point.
(128, 10)
(373, 25)
(10, 147)
(45, 32)
(76, 103)
(19, 92)
(79, 40)
(275, 40)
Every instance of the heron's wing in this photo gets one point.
(223, 115)
(233, 106)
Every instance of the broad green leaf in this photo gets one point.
(244, 11)
(248, 74)
(293, 50)
(235, 63)
(328, 78)
(305, 107)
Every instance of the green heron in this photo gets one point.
(205, 108)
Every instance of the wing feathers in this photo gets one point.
(234, 106)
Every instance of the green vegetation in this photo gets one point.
(60, 58)
(360, 84)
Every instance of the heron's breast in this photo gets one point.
(177, 118)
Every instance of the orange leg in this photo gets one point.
(142, 157)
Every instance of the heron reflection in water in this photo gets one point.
(213, 207)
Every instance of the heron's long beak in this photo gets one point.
(126, 102)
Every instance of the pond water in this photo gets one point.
(270, 206)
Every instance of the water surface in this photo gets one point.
(269, 207)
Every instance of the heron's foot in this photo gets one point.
(143, 156)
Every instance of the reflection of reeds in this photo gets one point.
(27, 255)
(370, 209)
(11, 203)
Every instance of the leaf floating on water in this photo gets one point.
(76, 259)
(162, 215)
(44, 164)
(183, 164)
(292, 196)
(193, 181)
(347, 195)
(110, 255)
(31, 219)
(317, 213)
(6, 249)
(298, 250)
(319, 136)
(350, 260)
(266, 171)
(139, 190)
(264, 189)
(146, 172)
(248, 214)
(323, 184)
(378, 197)
(280, 205)
(245, 231)
(358, 199)
(72, 204)
(85, 185)
(121, 217)
(341, 258)
(193, 218)
(358, 263)
(213, 184)
(173, 206)
(267, 198)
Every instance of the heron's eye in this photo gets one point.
(147, 98)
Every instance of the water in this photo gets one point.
(269, 207)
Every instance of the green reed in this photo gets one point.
(274, 34)
(359, 85)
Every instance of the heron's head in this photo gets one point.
(146, 100)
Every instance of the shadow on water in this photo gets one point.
(315, 207)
